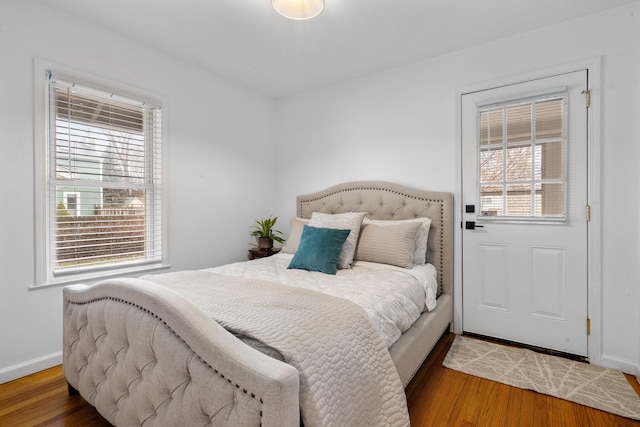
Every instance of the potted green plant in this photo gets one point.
(265, 233)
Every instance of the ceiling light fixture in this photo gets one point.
(298, 9)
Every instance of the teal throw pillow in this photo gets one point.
(319, 249)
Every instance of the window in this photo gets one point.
(103, 182)
(72, 202)
(522, 159)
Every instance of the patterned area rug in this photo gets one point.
(589, 385)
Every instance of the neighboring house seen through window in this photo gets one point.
(103, 191)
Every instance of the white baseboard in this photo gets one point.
(29, 367)
(623, 365)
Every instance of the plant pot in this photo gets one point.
(265, 243)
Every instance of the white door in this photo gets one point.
(524, 211)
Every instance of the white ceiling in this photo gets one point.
(247, 41)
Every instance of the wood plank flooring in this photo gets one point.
(437, 396)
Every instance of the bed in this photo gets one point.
(146, 354)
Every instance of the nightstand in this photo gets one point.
(255, 253)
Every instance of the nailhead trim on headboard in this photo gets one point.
(442, 201)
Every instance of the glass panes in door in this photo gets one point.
(522, 159)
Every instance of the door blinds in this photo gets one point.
(522, 159)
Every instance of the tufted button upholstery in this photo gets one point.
(148, 358)
(389, 201)
(114, 354)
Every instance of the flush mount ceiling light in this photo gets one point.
(298, 9)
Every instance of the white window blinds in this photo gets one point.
(522, 159)
(104, 180)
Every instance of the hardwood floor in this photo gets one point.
(437, 396)
(42, 400)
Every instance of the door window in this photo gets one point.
(522, 159)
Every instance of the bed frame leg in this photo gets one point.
(72, 391)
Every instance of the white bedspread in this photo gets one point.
(392, 297)
(347, 377)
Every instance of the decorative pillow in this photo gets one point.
(392, 244)
(420, 250)
(319, 249)
(291, 245)
(344, 221)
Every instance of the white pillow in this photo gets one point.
(346, 221)
(388, 244)
(420, 249)
(291, 245)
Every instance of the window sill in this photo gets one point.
(95, 276)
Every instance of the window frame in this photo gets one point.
(503, 104)
(77, 201)
(44, 233)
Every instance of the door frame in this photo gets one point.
(594, 226)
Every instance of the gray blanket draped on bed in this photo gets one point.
(346, 374)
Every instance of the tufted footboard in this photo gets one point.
(144, 355)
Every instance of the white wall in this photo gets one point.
(218, 136)
(399, 125)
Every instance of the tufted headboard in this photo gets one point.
(386, 200)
